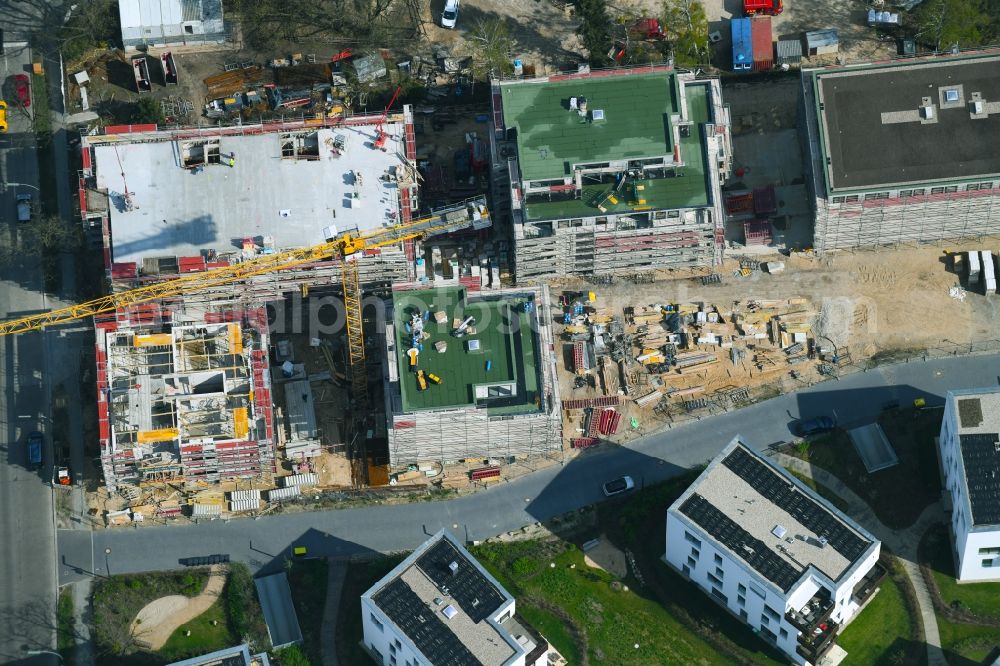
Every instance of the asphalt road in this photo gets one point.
(264, 542)
(27, 532)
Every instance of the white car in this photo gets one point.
(449, 17)
(618, 486)
(23, 207)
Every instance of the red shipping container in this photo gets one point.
(763, 43)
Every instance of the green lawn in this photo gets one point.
(205, 637)
(967, 644)
(878, 634)
(821, 490)
(916, 478)
(308, 579)
(613, 620)
(982, 599)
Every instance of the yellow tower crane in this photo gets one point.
(345, 246)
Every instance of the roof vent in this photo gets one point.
(951, 95)
(822, 542)
(597, 114)
(438, 601)
(449, 611)
(977, 107)
(779, 531)
(927, 112)
(453, 567)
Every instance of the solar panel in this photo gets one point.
(784, 494)
(465, 584)
(981, 458)
(422, 625)
(753, 551)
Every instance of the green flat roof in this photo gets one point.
(688, 190)
(506, 339)
(550, 138)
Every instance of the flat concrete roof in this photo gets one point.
(279, 611)
(506, 340)
(551, 137)
(875, 136)
(181, 213)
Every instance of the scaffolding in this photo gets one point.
(471, 432)
(183, 400)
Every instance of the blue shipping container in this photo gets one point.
(742, 45)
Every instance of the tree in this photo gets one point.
(147, 110)
(687, 30)
(594, 30)
(945, 23)
(492, 49)
(292, 656)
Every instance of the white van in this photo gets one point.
(23, 207)
(449, 17)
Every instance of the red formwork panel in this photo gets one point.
(757, 232)
(485, 473)
(762, 38)
(191, 264)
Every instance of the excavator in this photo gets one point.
(346, 246)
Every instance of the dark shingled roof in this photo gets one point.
(981, 459)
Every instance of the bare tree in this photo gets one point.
(492, 50)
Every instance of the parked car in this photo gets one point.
(3, 116)
(22, 88)
(23, 207)
(449, 17)
(35, 449)
(618, 486)
(814, 426)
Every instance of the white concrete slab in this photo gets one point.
(180, 213)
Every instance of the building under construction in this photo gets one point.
(470, 375)
(170, 202)
(615, 171)
(904, 151)
(183, 398)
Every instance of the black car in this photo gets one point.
(814, 426)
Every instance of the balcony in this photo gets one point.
(867, 586)
(815, 643)
(814, 613)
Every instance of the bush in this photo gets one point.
(292, 656)
(245, 617)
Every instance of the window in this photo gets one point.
(937, 190)
(692, 563)
(986, 186)
(989, 551)
(911, 193)
(716, 592)
(837, 200)
(687, 570)
(784, 634)
(988, 563)
(695, 553)
(771, 613)
(741, 588)
(378, 655)
(743, 615)
(764, 620)
(673, 213)
(758, 590)
(715, 579)
(720, 573)
(769, 634)
(392, 649)
(375, 621)
(972, 188)
(718, 559)
(741, 600)
(392, 659)
(690, 538)
(189, 30)
(854, 198)
(876, 195)
(951, 188)
(398, 644)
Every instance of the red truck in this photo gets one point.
(768, 7)
(647, 28)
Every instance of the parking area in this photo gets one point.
(767, 151)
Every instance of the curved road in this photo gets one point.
(262, 543)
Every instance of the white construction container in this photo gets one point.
(972, 261)
(244, 495)
(989, 274)
(283, 493)
(237, 506)
(299, 480)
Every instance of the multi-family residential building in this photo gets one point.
(903, 151)
(616, 171)
(970, 458)
(440, 607)
(772, 552)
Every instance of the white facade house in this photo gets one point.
(440, 607)
(772, 552)
(170, 22)
(970, 456)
